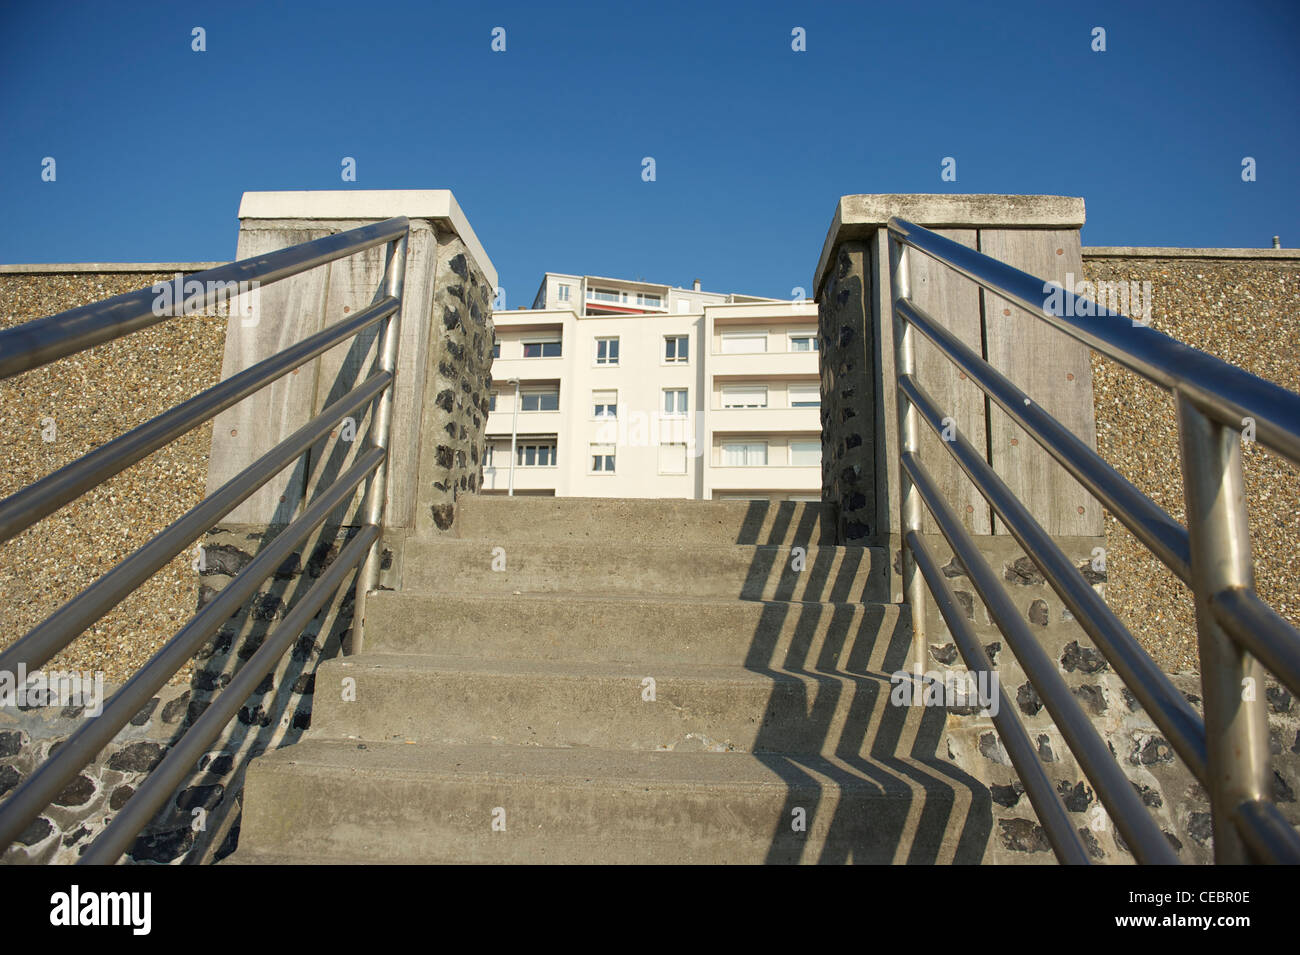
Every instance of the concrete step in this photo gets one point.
(667, 707)
(428, 803)
(646, 631)
(247, 855)
(647, 521)
(620, 565)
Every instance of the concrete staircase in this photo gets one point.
(644, 681)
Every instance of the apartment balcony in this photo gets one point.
(597, 305)
(765, 420)
(497, 478)
(761, 478)
(755, 365)
(526, 369)
(501, 421)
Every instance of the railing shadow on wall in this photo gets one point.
(336, 482)
(1239, 635)
(830, 651)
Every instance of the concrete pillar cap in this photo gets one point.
(857, 217)
(370, 205)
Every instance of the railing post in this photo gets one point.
(1232, 681)
(380, 430)
(908, 440)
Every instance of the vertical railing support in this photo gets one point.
(380, 430)
(1232, 681)
(908, 440)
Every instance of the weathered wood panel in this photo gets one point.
(286, 312)
(412, 389)
(354, 283)
(955, 301)
(1053, 370)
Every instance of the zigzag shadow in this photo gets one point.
(818, 744)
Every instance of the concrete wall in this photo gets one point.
(91, 398)
(1243, 306)
(445, 346)
(1175, 799)
(859, 415)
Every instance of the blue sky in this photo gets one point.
(543, 143)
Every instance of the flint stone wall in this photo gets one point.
(1175, 799)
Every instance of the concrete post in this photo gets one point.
(444, 356)
(1039, 234)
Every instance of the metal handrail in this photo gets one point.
(44, 340)
(1223, 391)
(1148, 522)
(1239, 633)
(56, 631)
(1015, 738)
(1167, 707)
(24, 508)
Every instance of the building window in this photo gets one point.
(562, 293)
(606, 351)
(803, 342)
(602, 459)
(603, 295)
(496, 349)
(675, 402)
(672, 458)
(805, 454)
(535, 454)
(676, 348)
(744, 454)
(492, 401)
(540, 400)
(604, 404)
(744, 396)
(644, 298)
(546, 348)
(487, 455)
(805, 396)
(744, 343)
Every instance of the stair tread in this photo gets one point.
(625, 546)
(604, 768)
(570, 596)
(578, 670)
(576, 518)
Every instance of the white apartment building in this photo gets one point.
(631, 389)
(590, 295)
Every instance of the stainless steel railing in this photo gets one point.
(1239, 635)
(48, 339)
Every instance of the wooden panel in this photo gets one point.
(955, 301)
(1053, 370)
(885, 395)
(353, 284)
(287, 311)
(413, 376)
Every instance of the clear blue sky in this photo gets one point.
(542, 144)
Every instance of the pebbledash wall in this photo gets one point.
(438, 433)
(1241, 305)
(1238, 304)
